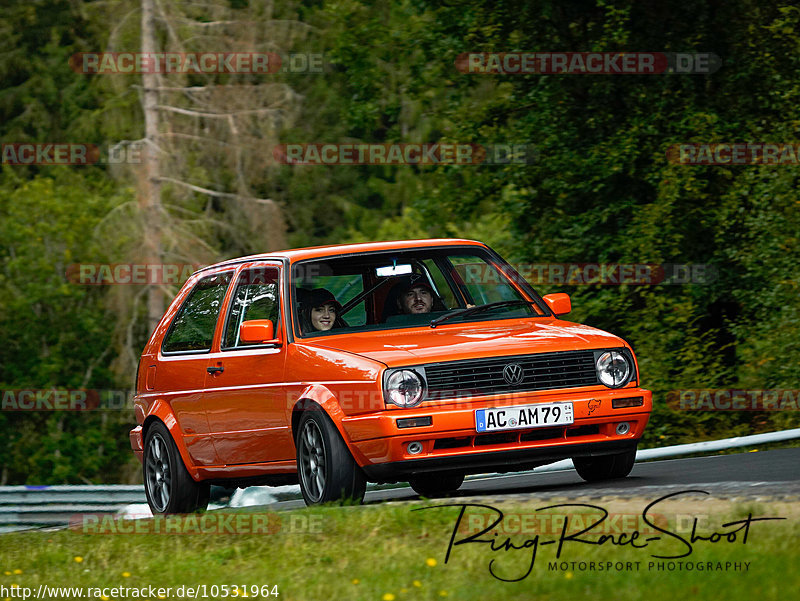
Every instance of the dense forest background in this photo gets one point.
(601, 190)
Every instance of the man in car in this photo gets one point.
(413, 295)
(417, 299)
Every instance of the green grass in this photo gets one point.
(385, 551)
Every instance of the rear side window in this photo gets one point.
(256, 297)
(193, 326)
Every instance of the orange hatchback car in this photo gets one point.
(418, 361)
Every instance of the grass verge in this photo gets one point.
(390, 553)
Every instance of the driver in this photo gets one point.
(413, 295)
(416, 299)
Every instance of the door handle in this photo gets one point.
(215, 370)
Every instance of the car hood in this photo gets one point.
(412, 346)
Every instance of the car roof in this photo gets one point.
(316, 252)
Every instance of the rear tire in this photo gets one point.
(167, 484)
(606, 467)
(326, 469)
(435, 484)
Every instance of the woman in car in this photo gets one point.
(319, 311)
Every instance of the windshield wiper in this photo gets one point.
(479, 308)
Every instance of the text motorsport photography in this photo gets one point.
(668, 545)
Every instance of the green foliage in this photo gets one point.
(56, 334)
(601, 190)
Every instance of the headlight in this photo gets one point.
(613, 369)
(404, 388)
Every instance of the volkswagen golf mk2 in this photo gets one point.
(418, 361)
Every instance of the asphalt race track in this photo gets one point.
(768, 474)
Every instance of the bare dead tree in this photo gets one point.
(149, 193)
(204, 180)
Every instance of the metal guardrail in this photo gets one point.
(24, 507)
(691, 448)
(32, 506)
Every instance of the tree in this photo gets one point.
(56, 335)
(204, 181)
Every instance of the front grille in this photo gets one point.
(542, 434)
(499, 438)
(452, 443)
(583, 430)
(507, 438)
(545, 371)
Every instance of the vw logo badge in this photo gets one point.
(513, 373)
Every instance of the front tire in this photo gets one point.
(326, 469)
(606, 467)
(167, 484)
(435, 484)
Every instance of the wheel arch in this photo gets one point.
(317, 398)
(320, 398)
(162, 412)
(343, 477)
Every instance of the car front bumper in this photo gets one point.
(499, 461)
(452, 443)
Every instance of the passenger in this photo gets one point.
(319, 311)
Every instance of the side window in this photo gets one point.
(256, 297)
(193, 326)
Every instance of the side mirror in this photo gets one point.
(261, 331)
(559, 303)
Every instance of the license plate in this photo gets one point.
(523, 416)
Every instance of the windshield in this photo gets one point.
(407, 288)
